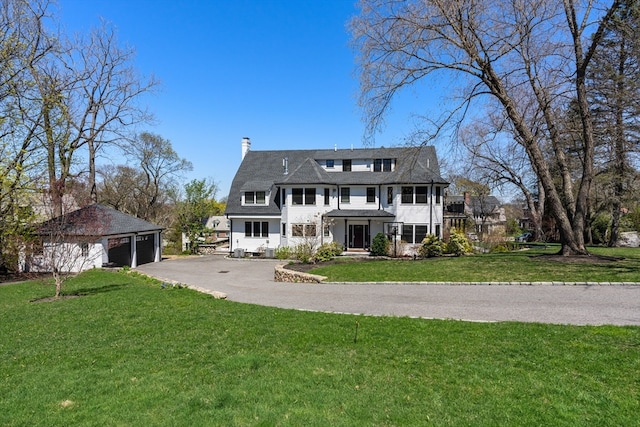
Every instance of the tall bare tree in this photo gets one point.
(61, 102)
(22, 43)
(497, 158)
(89, 98)
(142, 188)
(103, 98)
(524, 59)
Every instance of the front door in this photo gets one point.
(358, 236)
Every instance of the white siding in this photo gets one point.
(423, 214)
(255, 243)
(66, 257)
(306, 214)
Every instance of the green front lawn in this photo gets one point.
(521, 266)
(130, 353)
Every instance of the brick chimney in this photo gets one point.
(467, 198)
(246, 146)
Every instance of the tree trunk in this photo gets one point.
(571, 237)
(56, 186)
(619, 147)
(57, 277)
(93, 191)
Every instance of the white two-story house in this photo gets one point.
(284, 197)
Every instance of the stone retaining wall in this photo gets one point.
(206, 250)
(291, 276)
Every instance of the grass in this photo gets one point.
(521, 266)
(131, 353)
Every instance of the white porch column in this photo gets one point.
(134, 251)
(157, 242)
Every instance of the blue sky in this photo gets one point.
(278, 71)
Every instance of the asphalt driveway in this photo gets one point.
(251, 281)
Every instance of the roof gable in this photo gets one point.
(309, 172)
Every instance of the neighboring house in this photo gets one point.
(217, 234)
(475, 215)
(220, 227)
(286, 197)
(94, 236)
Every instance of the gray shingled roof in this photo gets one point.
(265, 170)
(309, 172)
(256, 186)
(96, 220)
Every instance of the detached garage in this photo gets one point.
(95, 236)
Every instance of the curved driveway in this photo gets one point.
(251, 281)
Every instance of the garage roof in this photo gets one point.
(96, 220)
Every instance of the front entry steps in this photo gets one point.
(356, 252)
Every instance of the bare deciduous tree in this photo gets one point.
(160, 165)
(60, 99)
(69, 244)
(498, 159)
(142, 188)
(103, 97)
(89, 95)
(22, 43)
(524, 59)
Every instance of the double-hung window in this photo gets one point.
(255, 197)
(249, 198)
(84, 249)
(303, 230)
(407, 195)
(346, 165)
(407, 233)
(309, 196)
(421, 233)
(371, 194)
(345, 194)
(421, 195)
(382, 165)
(297, 196)
(303, 196)
(256, 229)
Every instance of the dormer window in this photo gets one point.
(330, 164)
(382, 165)
(255, 197)
(346, 165)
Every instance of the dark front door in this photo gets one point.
(357, 233)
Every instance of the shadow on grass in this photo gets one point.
(83, 292)
(577, 259)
